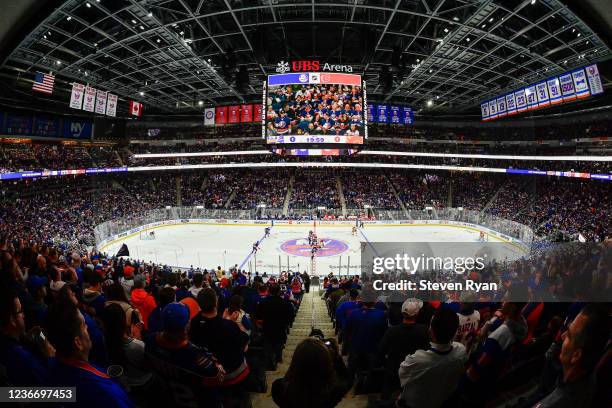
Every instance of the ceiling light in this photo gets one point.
(45, 37)
(533, 2)
(208, 60)
(95, 44)
(587, 41)
(58, 62)
(86, 73)
(430, 71)
(565, 62)
(491, 20)
(200, 103)
(141, 93)
(446, 30)
(134, 21)
(68, 18)
(158, 40)
(150, 14)
(182, 33)
(418, 60)
(430, 103)
(578, 35)
(142, 27)
(455, 18)
(483, 26)
(467, 39)
(438, 97)
(88, 5)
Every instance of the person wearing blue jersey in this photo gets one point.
(67, 331)
(192, 373)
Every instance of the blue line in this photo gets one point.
(251, 254)
(368, 241)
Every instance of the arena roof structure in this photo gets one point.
(176, 55)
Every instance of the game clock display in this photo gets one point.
(315, 108)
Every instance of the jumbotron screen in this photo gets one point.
(314, 108)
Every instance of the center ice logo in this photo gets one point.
(300, 247)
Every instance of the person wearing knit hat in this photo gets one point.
(399, 341)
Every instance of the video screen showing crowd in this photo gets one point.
(315, 109)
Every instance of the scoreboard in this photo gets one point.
(318, 110)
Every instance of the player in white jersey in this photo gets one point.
(469, 322)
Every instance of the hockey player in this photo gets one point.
(255, 247)
(267, 232)
(354, 231)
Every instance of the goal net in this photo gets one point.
(147, 235)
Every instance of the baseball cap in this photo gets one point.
(175, 317)
(35, 282)
(412, 306)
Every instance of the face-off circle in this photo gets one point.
(300, 247)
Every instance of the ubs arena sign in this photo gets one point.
(310, 65)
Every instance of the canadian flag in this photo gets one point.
(136, 108)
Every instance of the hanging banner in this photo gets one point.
(493, 109)
(532, 97)
(408, 115)
(577, 84)
(101, 98)
(234, 114)
(581, 87)
(209, 117)
(246, 113)
(257, 113)
(501, 106)
(542, 92)
(382, 114)
(395, 114)
(90, 99)
(76, 98)
(511, 104)
(111, 105)
(221, 115)
(554, 91)
(484, 110)
(594, 79)
(521, 100)
(567, 87)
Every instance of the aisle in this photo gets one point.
(312, 306)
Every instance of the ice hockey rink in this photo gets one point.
(209, 245)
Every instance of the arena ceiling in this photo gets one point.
(171, 54)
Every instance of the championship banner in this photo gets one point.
(521, 100)
(567, 87)
(101, 98)
(532, 97)
(209, 117)
(89, 100)
(76, 98)
(594, 79)
(221, 115)
(554, 91)
(501, 106)
(395, 114)
(511, 104)
(234, 114)
(257, 113)
(580, 84)
(246, 113)
(542, 92)
(382, 114)
(111, 105)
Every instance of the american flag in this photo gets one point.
(43, 83)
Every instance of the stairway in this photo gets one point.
(288, 195)
(313, 311)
